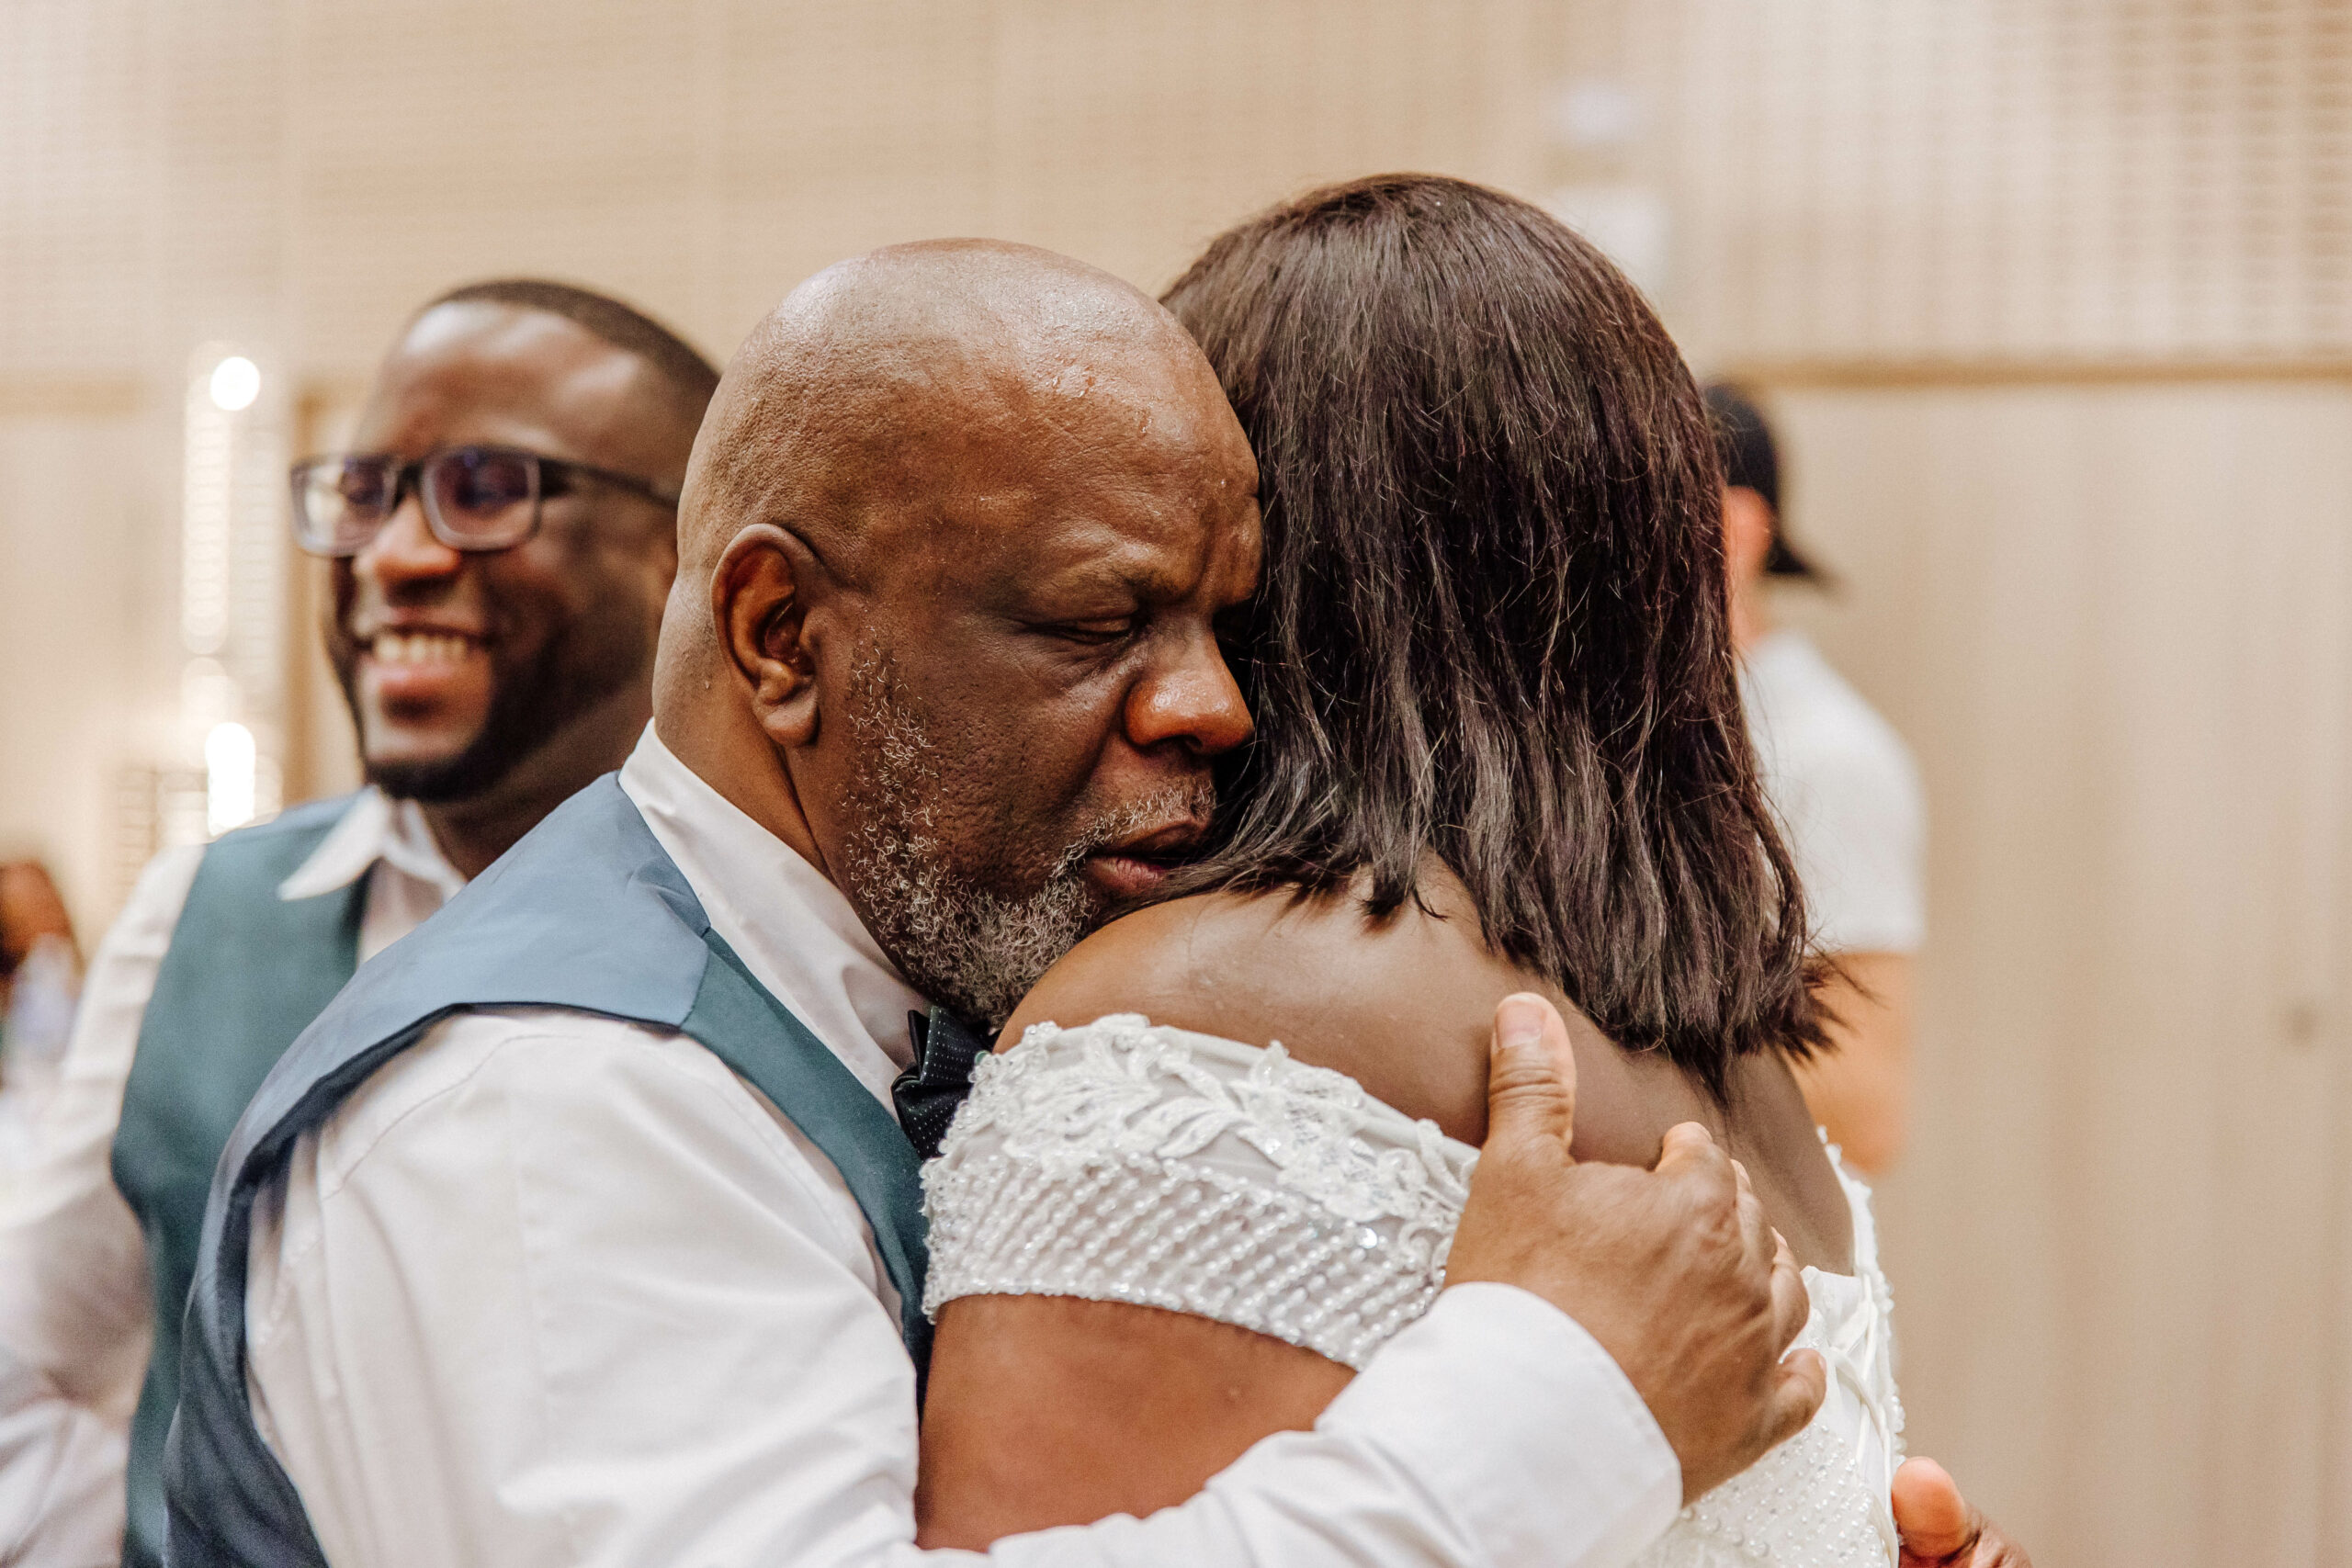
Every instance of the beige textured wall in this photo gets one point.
(300, 172)
(81, 568)
(2051, 298)
(2115, 624)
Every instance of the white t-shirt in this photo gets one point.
(1847, 795)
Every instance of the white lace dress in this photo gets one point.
(1126, 1162)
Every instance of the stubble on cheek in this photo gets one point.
(972, 906)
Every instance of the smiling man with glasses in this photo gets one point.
(503, 535)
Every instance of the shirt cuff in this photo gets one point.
(1521, 1425)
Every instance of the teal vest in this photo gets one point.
(586, 913)
(247, 972)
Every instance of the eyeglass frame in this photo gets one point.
(410, 475)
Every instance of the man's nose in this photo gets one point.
(404, 551)
(1193, 703)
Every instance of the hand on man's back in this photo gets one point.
(1672, 1269)
(1938, 1527)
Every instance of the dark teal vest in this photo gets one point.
(247, 972)
(587, 913)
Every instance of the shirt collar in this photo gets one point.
(377, 828)
(784, 918)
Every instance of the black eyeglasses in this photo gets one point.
(476, 498)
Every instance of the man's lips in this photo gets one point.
(421, 647)
(420, 662)
(1134, 866)
(1122, 876)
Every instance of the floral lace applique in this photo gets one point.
(1125, 1162)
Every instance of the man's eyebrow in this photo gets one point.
(1156, 586)
(1141, 578)
(1084, 597)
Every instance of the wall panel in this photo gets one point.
(2118, 627)
(87, 547)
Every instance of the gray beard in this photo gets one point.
(968, 946)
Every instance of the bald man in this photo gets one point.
(578, 1229)
(502, 540)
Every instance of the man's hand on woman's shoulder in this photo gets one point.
(1674, 1272)
(1672, 1269)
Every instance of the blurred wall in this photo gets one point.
(2055, 309)
(2055, 303)
(2052, 302)
(2114, 622)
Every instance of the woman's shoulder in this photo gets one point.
(1400, 1003)
(1404, 1005)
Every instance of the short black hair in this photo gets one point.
(1752, 460)
(1492, 622)
(691, 377)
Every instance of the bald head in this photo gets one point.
(885, 380)
(955, 537)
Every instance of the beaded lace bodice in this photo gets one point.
(1128, 1162)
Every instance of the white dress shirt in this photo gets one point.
(555, 1289)
(75, 1309)
(1846, 792)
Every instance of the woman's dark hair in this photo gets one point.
(1492, 621)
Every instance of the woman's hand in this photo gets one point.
(1939, 1529)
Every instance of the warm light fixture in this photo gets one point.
(229, 777)
(236, 382)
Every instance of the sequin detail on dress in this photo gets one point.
(1128, 1162)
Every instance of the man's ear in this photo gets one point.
(759, 603)
(1747, 532)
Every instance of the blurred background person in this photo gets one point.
(1847, 793)
(41, 979)
(503, 537)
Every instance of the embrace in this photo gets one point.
(1296, 722)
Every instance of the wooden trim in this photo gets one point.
(1901, 374)
(71, 397)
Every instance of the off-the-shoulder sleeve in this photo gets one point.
(1124, 1162)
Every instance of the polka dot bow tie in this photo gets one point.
(928, 1093)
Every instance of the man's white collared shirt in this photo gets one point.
(553, 1288)
(76, 1311)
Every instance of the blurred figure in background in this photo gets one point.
(503, 536)
(40, 978)
(1846, 789)
(40, 970)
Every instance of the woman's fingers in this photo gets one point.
(1936, 1523)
